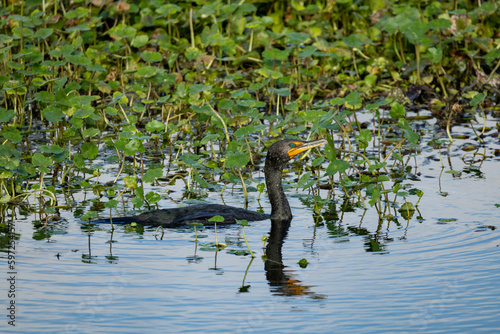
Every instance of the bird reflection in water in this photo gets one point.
(280, 279)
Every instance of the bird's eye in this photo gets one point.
(292, 145)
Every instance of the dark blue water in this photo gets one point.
(435, 273)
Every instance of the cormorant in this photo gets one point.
(278, 155)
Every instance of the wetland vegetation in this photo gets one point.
(111, 108)
(196, 90)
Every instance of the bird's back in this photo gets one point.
(200, 213)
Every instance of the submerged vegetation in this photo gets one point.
(202, 87)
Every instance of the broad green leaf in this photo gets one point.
(337, 166)
(40, 160)
(308, 51)
(151, 57)
(244, 131)
(6, 115)
(43, 33)
(89, 150)
(357, 40)
(478, 98)
(237, 159)
(140, 41)
(146, 72)
(217, 219)
(297, 38)
(276, 54)
(155, 126)
(266, 73)
(397, 111)
(111, 204)
(152, 197)
(152, 174)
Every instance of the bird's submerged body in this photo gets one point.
(199, 213)
(278, 155)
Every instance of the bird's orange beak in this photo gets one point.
(301, 146)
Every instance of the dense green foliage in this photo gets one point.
(212, 80)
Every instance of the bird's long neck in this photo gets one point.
(280, 209)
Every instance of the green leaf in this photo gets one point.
(242, 222)
(244, 131)
(197, 88)
(491, 56)
(122, 31)
(53, 114)
(152, 197)
(111, 204)
(297, 38)
(9, 159)
(140, 41)
(12, 134)
(89, 215)
(276, 54)
(409, 133)
(478, 98)
(43, 33)
(281, 91)
(337, 166)
(308, 51)
(89, 150)
(152, 174)
(217, 219)
(435, 54)
(190, 159)
(155, 126)
(146, 72)
(364, 138)
(6, 115)
(151, 57)
(90, 132)
(266, 73)
(134, 146)
(40, 160)
(237, 160)
(79, 60)
(353, 100)
(397, 111)
(168, 9)
(439, 24)
(356, 40)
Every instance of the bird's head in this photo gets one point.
(283, 151)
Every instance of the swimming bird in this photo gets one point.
(278, 155)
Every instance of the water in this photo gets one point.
(433, 274)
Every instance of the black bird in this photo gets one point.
(278, 155)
